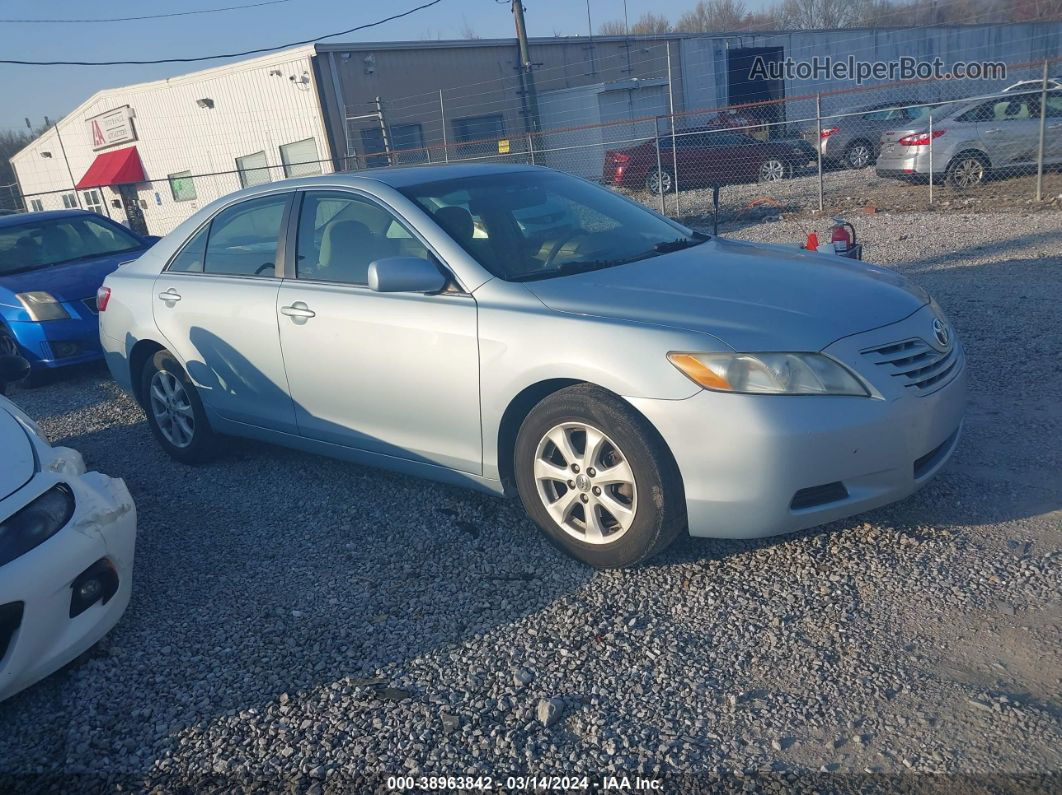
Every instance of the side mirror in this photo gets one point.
(405, 275)
(12, 369)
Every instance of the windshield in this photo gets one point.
(539, 224)
(40, 244)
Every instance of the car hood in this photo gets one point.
(70, 281)
(753, 297)
(16, 466)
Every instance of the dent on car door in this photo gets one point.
(391, 373)
(215, 304)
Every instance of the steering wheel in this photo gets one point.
(556, 248)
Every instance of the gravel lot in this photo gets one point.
(295, 616)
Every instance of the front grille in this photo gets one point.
(921, 367)
(10, 620)
(90, 304)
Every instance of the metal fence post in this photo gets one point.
(659, 169)
(931, 159)
(818, 143)
(531, 148)
(1040, 150)
(442, 115)
(671, 110)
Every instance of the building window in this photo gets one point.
(69, 201)
(408, 142)
(182, 186)
(372, 143)
(300, 158)
(253, 169)
(480, 133)
(36, 206)
(93, 201)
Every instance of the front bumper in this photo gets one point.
(37, 585)
(58, 343)
(760, 465)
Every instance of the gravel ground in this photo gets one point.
(294, 616)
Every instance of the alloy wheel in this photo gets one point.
(172, 409)
(859, 156)
(772, 170)
(968, 172)
(659, 181)
(585, 483)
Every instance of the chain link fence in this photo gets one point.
(897, 146)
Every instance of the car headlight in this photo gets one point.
(768, 373)
(36, 523)
(42, 306)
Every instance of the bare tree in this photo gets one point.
(713, 15)
(651, 23)
(467, 31)
(614, 27)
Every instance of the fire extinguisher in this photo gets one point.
(842, 235)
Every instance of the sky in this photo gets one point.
(53, 91)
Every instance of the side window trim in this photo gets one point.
(282, 247)
(292, 232)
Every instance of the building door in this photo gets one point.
(746, 84)
(133, 212)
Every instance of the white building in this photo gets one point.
(134, 153)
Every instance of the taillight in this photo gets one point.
(920, 138)
(619, 158)
(103, 295)
(826, 132)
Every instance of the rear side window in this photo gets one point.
(243, 238)
(190, 259)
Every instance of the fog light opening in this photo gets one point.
(96, 584)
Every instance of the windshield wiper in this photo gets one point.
(680, 243)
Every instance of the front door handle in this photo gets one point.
(170, 296)
(298, 310)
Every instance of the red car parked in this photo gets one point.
(705, 156)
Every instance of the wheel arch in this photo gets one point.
(139, 355)
(965, 151)
(529, 397)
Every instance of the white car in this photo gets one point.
(66, 550)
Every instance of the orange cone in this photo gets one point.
(812, 243)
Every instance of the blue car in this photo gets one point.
(51, 265)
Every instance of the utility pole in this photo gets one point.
(526, 67)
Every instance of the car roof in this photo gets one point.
(19, 219)
(414, 175)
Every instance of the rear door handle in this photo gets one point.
(298, 310)
(170, 296)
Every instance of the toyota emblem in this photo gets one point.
(940, 331)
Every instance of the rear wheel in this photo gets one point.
(597, 479)
(775, 169)
(174, 410)
(968, 170)
(858, 155)
(659, 181)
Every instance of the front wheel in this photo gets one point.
(175, 412)
(775, 170)
(597, 479)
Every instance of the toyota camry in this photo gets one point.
(630, 378)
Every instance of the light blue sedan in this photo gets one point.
(630, 378)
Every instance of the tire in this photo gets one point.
(175, 412)
(775, 169)
(659, 181)
(966, 170)
(858, 155)
(8, 345)
(635, 516)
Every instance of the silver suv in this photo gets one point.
(994, 135)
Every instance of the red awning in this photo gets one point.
(120, 167)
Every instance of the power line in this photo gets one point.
(228, 54)
(147, 16)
